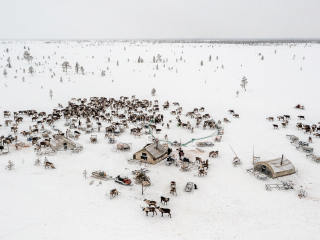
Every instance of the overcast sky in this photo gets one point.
(153, 19)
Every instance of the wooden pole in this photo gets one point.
(253, 156)
(233, 151)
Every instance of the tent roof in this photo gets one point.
(276, 164)
(156, 152)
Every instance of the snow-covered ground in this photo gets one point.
(38, 203)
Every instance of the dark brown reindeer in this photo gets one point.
(164, 200)
(301, 117)
(275, 126)
(164, 210)
(198, 160)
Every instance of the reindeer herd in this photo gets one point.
(155, 207)
(305, 127)
(117, 114)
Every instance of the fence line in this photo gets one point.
(192, 140)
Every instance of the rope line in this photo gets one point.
(192, 140)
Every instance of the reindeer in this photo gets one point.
(37, 148)
(284, 124)
(44, 144)
(202, 173)
(236, 115)
(154, 203)
(214, 154)
(149, 209)
(275, 126)
(49, 164)
(301, 117)
(7, 122)
(113, 193)
(173, 190)
(270, 119)
(198, 160)
(204, 165)
(280, 118)
(316, 135)
(164, 200)
(308, 130)
(287, 116)
(164, 210)
(231, 111)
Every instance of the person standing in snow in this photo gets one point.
(181, 154)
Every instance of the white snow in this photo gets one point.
(38, 203)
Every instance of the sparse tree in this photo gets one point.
(65, 66)
(31, 70)
(154, 59)
(237, 92)
(275, 51)
(217, 57)
(244, 83)
(5, 73)
(201, 63)
(50, 93)
(103, 73)
(27, 56)
(153, 91)
(210, 58)
(159, 57)
(82, 70)
(262, 58)
(76, 68)
(143, 179)
(61, 79)
(9, 62)
(157, 67)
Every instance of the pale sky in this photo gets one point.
(153, 19)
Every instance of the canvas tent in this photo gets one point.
(274, 168)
